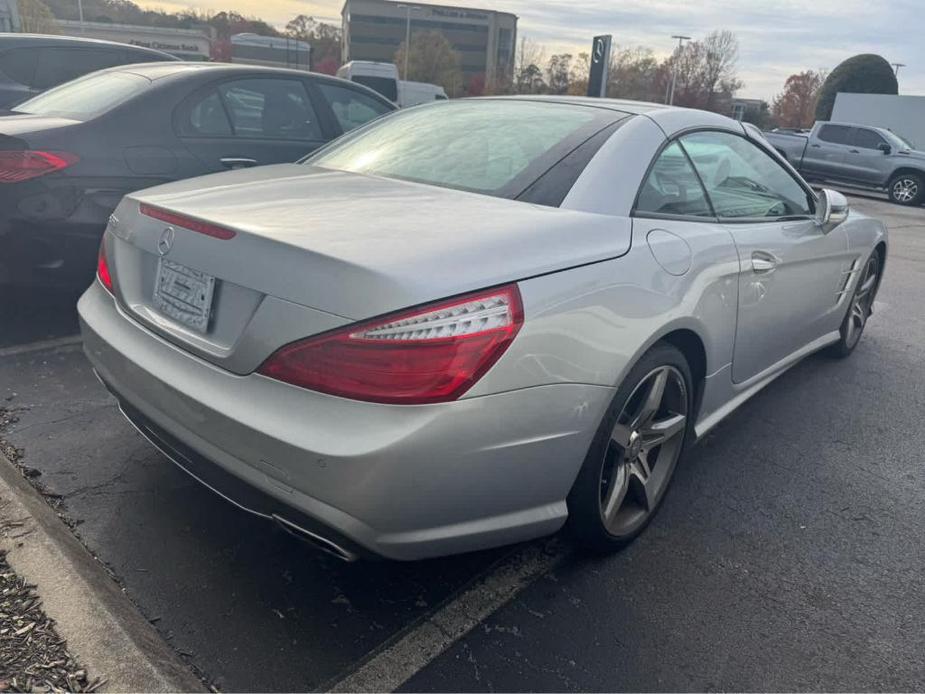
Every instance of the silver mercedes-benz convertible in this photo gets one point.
(470, 323)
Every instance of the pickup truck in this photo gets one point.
(858, 155)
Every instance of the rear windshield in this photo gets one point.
(85, 97)
(494, 147)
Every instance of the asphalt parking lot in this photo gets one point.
(788, 555)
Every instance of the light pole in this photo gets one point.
(674, 71)
(80, 13)
(896, 67)
(408, 10)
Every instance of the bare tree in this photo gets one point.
(636, 74)
(579, 74)
(528, 76)
(559, 72)
(706, 72)
(720, 56)
(36, 18)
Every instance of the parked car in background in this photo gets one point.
(414, 93)
(69, 155)
(30, 63)
(471, 322)
(858, 155)
(380, 77)
(383, 78)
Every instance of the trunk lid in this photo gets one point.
(21, 124)
(341, 247)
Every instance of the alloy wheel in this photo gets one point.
(905, 190)
(644, 447)
(861, 302)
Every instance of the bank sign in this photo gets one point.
(169, 47)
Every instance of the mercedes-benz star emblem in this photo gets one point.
(165, 243)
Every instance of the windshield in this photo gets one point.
(85, 97)
(495, 147)
(899, 140)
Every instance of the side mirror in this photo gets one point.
(831, 209)
(884, 147)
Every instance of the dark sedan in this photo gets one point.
(69, 155)
(32, 63)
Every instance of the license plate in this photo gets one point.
(184, 294)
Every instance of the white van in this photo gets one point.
(383, 77)
(414, 93)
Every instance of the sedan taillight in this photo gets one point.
(430, 354)
(21, 165)
(102, 268)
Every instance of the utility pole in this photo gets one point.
(674, 71)
(408, 10)
(896, 67)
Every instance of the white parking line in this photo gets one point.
(397, 661)
(39, 346)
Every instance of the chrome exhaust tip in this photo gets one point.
(321, 543)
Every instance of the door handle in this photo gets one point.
(853, 151)
(763, 262)
(237, 162)
(816, 146)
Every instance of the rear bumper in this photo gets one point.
(404, 482)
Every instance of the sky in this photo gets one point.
(776, 37)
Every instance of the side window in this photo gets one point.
(206, 117)
(672, 187)
(742, 180)
(836, 134)
(19, 65)
(277, 109)
(867, 139)
(351, 107)
(59, 65)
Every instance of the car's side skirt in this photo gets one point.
(736, 394)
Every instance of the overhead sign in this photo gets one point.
(600, 65)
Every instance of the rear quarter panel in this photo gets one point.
(591, 324)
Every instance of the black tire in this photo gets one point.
(906, 189)
(587, 498)
(860, 306)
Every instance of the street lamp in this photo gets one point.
(408, 10)
(674, 71)
(896, 67)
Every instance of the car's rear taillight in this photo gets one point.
(21, 165)
(102, 268)
(430, 354)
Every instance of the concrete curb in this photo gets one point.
(103, 629)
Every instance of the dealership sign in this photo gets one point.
(600, 65)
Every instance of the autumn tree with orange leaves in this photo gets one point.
(795, 106)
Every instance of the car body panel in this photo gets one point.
(376, 472)
(802, 290)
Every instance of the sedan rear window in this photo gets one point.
(492, 147)
(85, 97)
